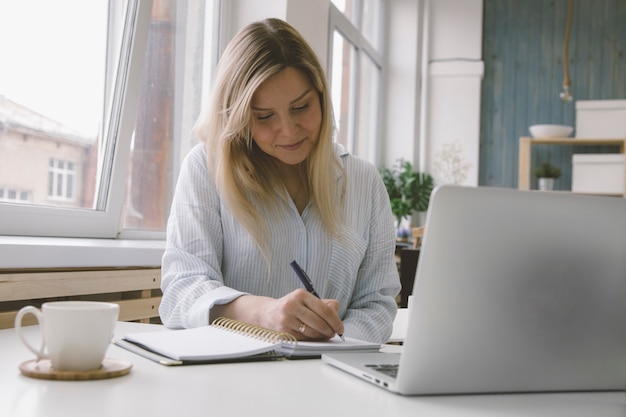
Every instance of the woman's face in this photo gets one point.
(286, 116)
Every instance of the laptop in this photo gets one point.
(515, 291)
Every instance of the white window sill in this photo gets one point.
(17, 252)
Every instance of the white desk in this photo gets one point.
(400, 324)
(286, 388)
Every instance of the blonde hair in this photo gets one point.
(245, 176)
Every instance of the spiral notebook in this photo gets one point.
(227, 340)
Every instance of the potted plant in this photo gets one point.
(409, 192)
(546, 173)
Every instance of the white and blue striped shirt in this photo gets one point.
(211, 259)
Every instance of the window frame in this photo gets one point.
(352, 34)
(31, 220)
(38, 237)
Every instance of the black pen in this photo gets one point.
(306, 281)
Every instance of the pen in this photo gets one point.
(306, 281)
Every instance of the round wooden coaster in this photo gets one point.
(111, 368)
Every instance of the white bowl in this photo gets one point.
(550, 131)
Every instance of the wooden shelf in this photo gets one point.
(525, 144)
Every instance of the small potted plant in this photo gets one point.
(409, 192)
(546, 173)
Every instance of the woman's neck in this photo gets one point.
(294, 178)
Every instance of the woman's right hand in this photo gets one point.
(300, 313)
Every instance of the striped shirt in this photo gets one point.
(210, 259)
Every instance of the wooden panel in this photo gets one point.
(523, 176)
(18, 286)
(141, 309)
(7, 319)
(522, 50)
(137, 291)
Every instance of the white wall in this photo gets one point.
(235, 14)
(309, 17)
(456, 29)
(453, 114)
(452, 82)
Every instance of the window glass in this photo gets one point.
(369, 108)
(170, 106)
(343, 64)
(52, 85)
(371, 20)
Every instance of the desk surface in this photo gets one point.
(285, 388)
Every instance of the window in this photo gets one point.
(356, 73)
(96, 111)
(61, 180)
(15, 196)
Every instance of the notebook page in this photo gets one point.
(333, 345)
(201, 344)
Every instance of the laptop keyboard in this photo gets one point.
(387, 369)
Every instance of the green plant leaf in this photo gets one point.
(547, 170)
(409, 191)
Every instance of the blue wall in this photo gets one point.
(523, 54)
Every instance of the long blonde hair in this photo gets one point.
(245, 176)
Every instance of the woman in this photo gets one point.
(268, 186)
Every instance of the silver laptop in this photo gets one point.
(515, 291)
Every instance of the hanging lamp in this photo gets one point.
(566, 96)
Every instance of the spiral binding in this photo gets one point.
(254, 331)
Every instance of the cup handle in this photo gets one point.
(18, 329)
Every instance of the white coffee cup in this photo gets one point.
(75, 334)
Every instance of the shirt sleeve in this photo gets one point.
(191, 277)
(372, 307)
